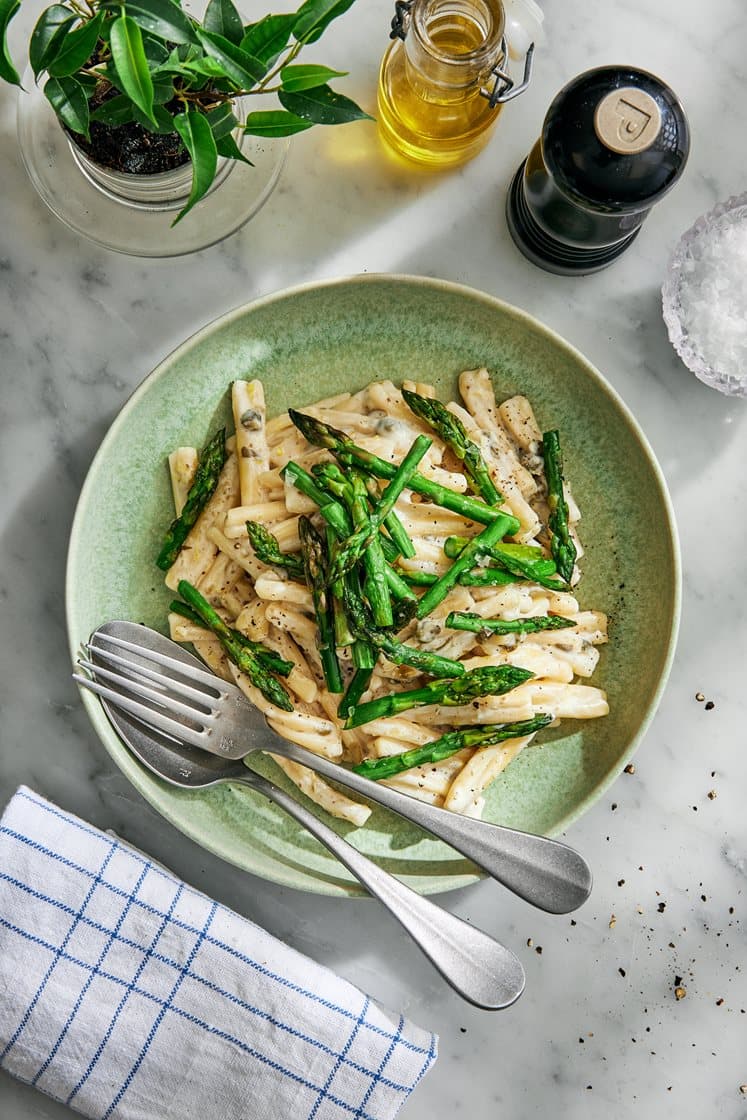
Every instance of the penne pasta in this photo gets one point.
(182, 467)
(199, 549)
(248, 405)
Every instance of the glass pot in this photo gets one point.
(444, 79)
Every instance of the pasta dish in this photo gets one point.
(390, 580)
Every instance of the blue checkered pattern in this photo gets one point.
(129, 995)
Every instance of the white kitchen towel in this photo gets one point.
(127, 994)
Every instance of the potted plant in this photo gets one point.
(142, 87)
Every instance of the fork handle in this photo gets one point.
(544, 872)
(474, 964)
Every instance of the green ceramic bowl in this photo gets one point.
(308, 343)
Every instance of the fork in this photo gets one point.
(215, 716)
(478, 967)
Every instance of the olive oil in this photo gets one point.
(430, 107)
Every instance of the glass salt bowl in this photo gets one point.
(723, 297)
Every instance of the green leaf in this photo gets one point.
(68, 99)
(164, 121)
(132, 65)
(8, 9)
(296, 78)
(314, 16)
(163, 89)
(222, 121)
(174, 63)
(188, 52)
(51, 28)
(322, 106)
(206, 67)
(229, 149)
(242, 68)
(156, 51)
(76, 49)
(162, 18)
(114, 112)
(222, 19)
(275, 123)
(266, 39)
(88, 81)
(197, 137)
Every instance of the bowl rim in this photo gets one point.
(143, 780)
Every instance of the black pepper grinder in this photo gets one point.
(614, 141)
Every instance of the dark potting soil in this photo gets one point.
(129, 147)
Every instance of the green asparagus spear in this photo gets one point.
(561, 544)
(453, 433)
(352, 492)
(489, 536)
(358, 684)
(206, 479)
(364, 658)
(390, 550)
(246, 660)
(394, 526)
(267, 549)
(398, 588)
(468, 620)
(477, 577)
(486, 577)
(343, 637)
(374, 564)
(333, 481)
(523, 560)
(340, 444)
(317, 580)
(398, 652)
(366, 534)
(267, 657)
(453, 741)
(332, 512)
(528, 554)
(491, 680)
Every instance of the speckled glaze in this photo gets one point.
(313, 341)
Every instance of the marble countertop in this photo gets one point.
(598, 1030)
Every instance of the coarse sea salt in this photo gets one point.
(705, 298)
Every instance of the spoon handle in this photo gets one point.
(544, 872)
(474, 964)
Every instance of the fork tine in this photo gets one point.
(174, 685)
(190, 671)
(172, 727)
(144, 692)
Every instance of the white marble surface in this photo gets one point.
(598, 1031)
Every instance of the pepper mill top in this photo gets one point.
(613, 142)
(615, 139)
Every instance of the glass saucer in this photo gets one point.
(711, 368)
(141, 227)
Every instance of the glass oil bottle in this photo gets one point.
(444, 79)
